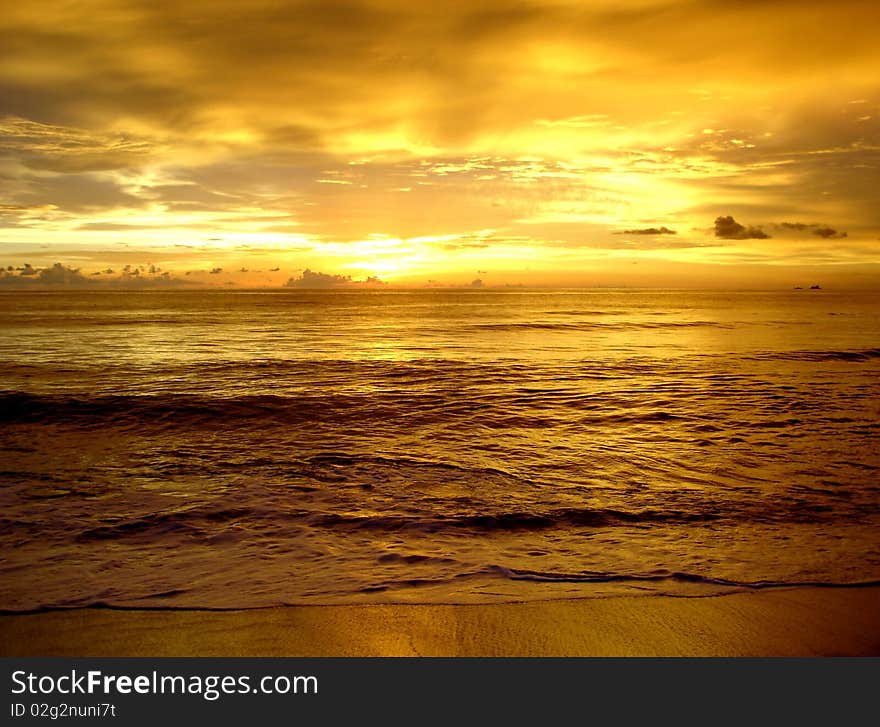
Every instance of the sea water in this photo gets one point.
(229, 449)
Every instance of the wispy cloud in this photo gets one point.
(649, 231)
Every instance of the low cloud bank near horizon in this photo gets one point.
(62, 276)
(313, 279)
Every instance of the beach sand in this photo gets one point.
(777, 622)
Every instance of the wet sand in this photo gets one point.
(778, 622)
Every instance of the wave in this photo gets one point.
(182, 410)
(659, 583)
(292, 517)
(163, 524)
(204, 523)
(510, 408)
(509, 521)
(666, 576)
(598, 325)
(828, 355)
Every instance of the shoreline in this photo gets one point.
(796, 621)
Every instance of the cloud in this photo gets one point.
(649, 231)
(48, 197)
(311, 279)
(828, 233)
(108, 226)
(154, 122)
(729, 229)
(823, 231)
(60, 274)
(63, 149)
(57, 275)
(304, 73)
(63, 276)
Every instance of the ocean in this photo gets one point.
(236, 449)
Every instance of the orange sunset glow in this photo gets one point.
(546, 142)
(377, 328)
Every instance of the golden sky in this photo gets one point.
(574, 142)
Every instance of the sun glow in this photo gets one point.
(575, 133)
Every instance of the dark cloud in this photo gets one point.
(57, 275)
(823, 231)
(650, 231)
(828, 233)
(63, 276)
(60, 274)
(311, 279)
(729, 229)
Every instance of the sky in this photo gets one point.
(543, 142)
